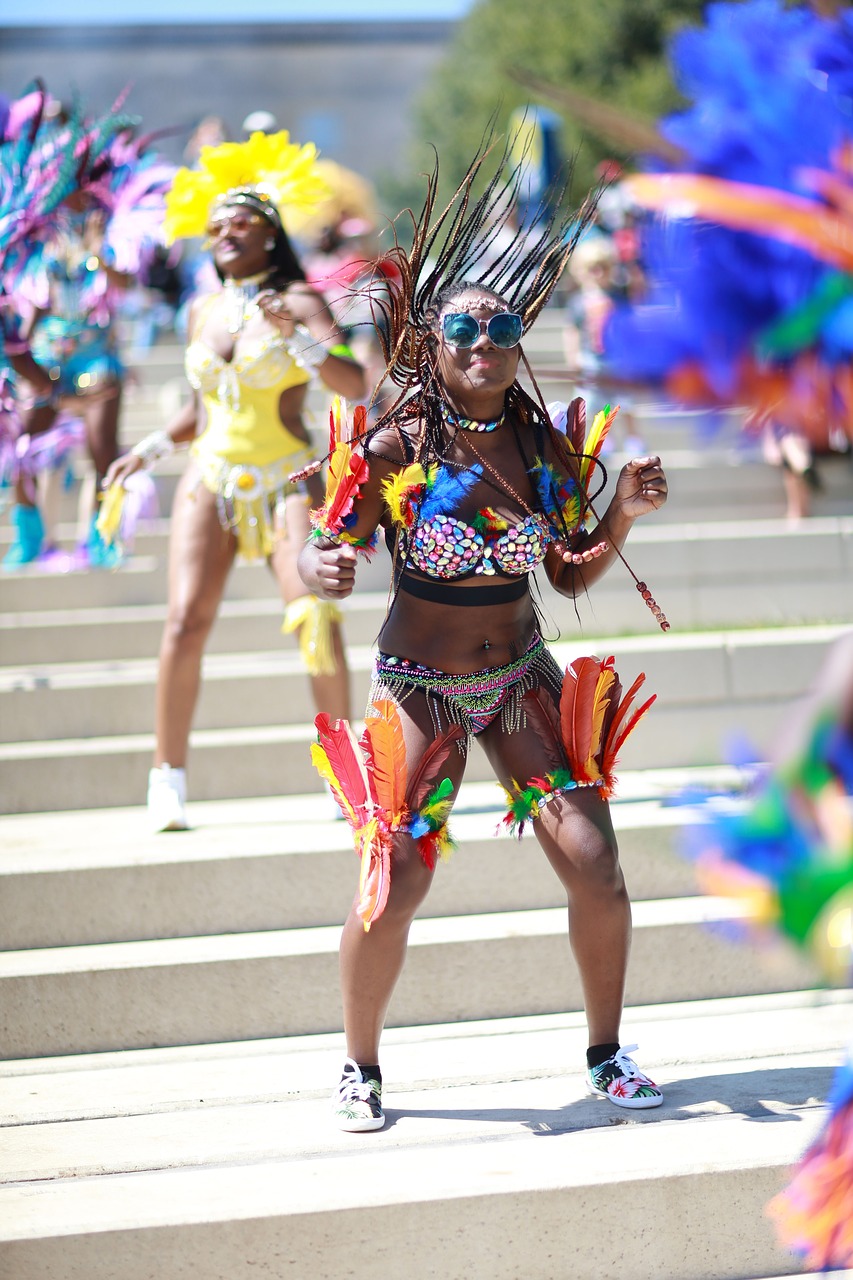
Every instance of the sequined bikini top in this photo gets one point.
(444, 547)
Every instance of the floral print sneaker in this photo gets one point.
(357, 1101)
(620, 1080)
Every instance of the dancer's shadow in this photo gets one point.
(766, 1094)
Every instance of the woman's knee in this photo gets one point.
(410, 884)
(581, 850)
(187, 626)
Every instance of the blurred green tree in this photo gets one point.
(611, 51)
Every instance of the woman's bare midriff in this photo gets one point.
(458, 639)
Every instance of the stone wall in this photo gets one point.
(348, 88)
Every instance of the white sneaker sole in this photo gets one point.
(628, 1104)
(367, 1125)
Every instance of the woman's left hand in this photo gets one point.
(276, 309)
(641, 487)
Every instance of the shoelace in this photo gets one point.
(627, 1065)
(355, 1088)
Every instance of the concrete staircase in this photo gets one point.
(171, 1024)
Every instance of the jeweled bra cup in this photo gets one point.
(444, 547)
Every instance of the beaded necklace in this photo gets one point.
(239, 299)
(470, 424)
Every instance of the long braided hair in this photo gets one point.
(462, 248)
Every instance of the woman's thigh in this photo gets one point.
(283, 559)
(201, 552)
(575, 829)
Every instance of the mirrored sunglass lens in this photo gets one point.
(461, 330)
(505, 329)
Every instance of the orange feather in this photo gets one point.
(385, 747)
(374, 849)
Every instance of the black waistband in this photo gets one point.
(448, 593)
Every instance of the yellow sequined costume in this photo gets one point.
(245, 453)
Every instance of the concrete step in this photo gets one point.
(712, 688)
(126, 995)
(704, 484)
(260, 688)
(93, 876)
(222, 1159)
(756, 573)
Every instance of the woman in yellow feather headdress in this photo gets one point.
(253, 346)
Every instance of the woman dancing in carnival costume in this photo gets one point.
(474, 489)
(254, 346)
(69, 287)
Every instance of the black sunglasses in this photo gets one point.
(462, 330)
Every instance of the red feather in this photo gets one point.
(615, 744)
(545, 719)
(421, 781)
(359, 422)
(576, 714)
(339, 743)
(347, 473)
(334, 424)
(621, 711)
(576, 424)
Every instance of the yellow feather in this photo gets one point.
(109, 513)
(396, 488)
(323, 765)
(282, 171)
(595, 438)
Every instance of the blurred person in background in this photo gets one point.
(594, 271)
(254, 344)
(67, 292)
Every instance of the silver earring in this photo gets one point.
(269, 244)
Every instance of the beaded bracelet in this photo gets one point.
(306, 351)
(153, 447)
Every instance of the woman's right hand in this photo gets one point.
(328, 571)
(127, 465)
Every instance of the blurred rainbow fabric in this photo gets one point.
(751, 265)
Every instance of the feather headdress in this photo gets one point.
(279, 172)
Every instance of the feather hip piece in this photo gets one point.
(369, 779)
(124, 508)
(28, 456)
(314, 620)
(596, 720)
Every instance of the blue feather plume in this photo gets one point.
(445, 489)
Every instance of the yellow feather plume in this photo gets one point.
(397, 488)
(313, 619)
(109, 513)
(279, 170)
(595, 438)
(323, 765)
